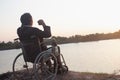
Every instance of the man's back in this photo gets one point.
(26, 35)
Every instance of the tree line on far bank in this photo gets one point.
(9, 45)
(71, 39)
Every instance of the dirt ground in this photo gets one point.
(71, 75)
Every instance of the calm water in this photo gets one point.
(99, 56)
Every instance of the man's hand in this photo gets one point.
(41, 22)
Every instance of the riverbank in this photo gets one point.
(71, 75)
(64, 40)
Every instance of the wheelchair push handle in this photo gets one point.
(16, 39)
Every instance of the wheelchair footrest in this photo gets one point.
(63, 69)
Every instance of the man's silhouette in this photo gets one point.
(26, 34)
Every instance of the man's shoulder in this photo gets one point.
(31, 29)
(18, 28)
(27, 28)
(35, 28)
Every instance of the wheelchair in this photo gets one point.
(44, 67)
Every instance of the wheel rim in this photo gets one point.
(41, 68)
(22, 69)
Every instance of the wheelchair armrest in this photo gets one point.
(51, 41)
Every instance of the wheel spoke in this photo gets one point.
(22, 69)
(48, 69)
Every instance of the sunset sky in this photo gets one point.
(66, 17)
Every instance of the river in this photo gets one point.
(98, 56)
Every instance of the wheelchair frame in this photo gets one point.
(39, 70)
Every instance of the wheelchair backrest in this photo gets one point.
(30, 48)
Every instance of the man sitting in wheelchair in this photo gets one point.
(31, 38)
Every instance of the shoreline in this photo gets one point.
(63, 43)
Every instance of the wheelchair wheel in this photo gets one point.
(21, 70)
(64, 68)
(45, 66)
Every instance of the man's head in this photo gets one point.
(26, 19)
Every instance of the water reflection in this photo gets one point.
(100, 56)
